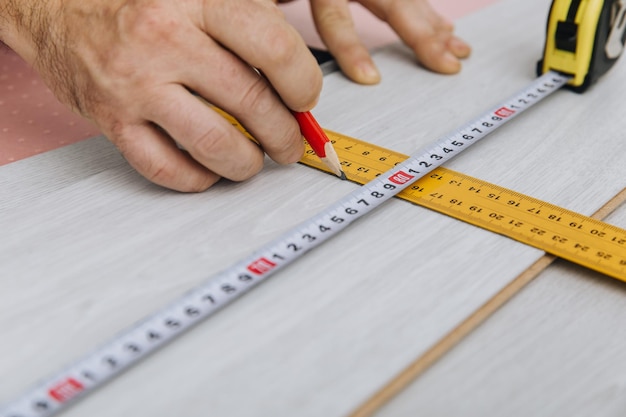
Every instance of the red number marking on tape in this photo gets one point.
(261, 266)
(401, 177)
(66, 390)
(504, 112)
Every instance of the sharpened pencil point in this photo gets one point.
(319, 141)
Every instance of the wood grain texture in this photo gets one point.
(88, 247)
(414, 370)
(556, 349)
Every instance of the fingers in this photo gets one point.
(207, 136)
(429, 35)
(213, 147)
(130, 68)
(336, 28)
(248, 97)
(153, 154)
(223, 74)
(258, 33)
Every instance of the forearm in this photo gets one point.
(25, 24)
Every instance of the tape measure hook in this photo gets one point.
(614, 45)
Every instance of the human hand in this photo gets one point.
(429, 35)
(129, 66)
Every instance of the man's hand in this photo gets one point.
(428, 34)
(129, 65)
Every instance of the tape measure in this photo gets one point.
(584, 39)
(480, 203)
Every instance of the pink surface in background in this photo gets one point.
(32, 121)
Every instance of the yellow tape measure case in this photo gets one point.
(584, 39)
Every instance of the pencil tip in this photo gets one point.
(343, 176)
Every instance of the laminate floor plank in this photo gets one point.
(87, 249)
(555, 349)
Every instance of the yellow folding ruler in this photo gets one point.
(569, 235)
(564, 233)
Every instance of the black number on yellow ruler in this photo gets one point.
(566, 234)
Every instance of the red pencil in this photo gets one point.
(322, 146)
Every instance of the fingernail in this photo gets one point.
(451, 63)
(459, 47)
(368, 73)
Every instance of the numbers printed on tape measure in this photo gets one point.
(130, 346)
